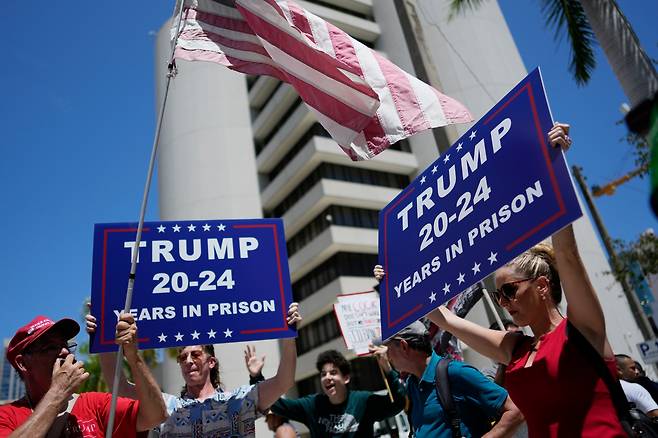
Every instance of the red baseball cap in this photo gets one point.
(33, 330)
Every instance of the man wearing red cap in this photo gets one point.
(39, 351)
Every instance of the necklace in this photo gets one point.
(29, 402)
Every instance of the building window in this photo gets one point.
(342, 263)
(320, 331)
(260, 144)
(315, 130)
(341, 173)
(333, 215)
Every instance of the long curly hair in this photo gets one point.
(214, 372)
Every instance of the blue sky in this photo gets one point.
(78, 118)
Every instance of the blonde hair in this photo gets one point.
(539, 261)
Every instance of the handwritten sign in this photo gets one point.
(359, 320)
(197, 282)
(496, 192)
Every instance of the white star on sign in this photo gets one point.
(446, 289)
(191, 228)
(228, 333)
(445, 160)
(221, 227)
(195, 334)
(476, 268)
(432, 297)
(459, 146)
(161, 229)
(460, 279)
(434, 169)
(206, 227)
(422, 180)
(472, 136)
(176, 228)
(492, 258)
(178, 337)
(212, 333)
(162, 337)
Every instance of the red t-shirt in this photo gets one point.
(88, 419)
(561, 394)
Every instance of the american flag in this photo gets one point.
(364, 101)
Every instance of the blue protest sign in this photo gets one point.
(496, 192)
(197, 282)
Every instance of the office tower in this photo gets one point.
(237, 146)
(11, 385)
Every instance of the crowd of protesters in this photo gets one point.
(562, 381)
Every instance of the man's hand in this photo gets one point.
(294, 316)
(254, 363)
(379, 351)
(90, 321)
(126, 335)
(378, 272)
(67, 376)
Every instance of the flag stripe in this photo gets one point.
(291, 44)
(363, 100)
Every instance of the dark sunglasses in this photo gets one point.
(51, 348)
(196, 355)
(508, 290)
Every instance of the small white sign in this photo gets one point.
(648, 351)
(359, 320)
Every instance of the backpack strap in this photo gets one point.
(442, 384)
(617, 395)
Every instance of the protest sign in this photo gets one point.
(197, 282)
(500, 189)
(359, 320)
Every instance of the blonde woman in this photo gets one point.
(550, 379)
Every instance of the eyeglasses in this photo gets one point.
(52, 348)
(508, 290)
(196, 355)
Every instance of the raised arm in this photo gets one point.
(384, 406)
(108, 362)
(67, 376)
(152, 409)
(494, 344)
(584, 310)
(254, 365)
(271, 389)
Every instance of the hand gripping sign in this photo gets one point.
(197, 282)
(496, 192)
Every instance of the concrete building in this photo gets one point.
(234, 146)
(11, 385)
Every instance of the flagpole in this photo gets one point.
(487, 297)
(147, 186)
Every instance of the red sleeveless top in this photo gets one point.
(560, 394)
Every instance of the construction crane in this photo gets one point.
(609, 189)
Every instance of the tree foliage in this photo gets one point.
(642, 252)
(560, 15)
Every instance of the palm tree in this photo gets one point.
(588, 21)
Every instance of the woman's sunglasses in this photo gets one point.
(508, 290)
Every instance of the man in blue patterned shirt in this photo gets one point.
(203, 409)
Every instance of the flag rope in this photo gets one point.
(171, 72)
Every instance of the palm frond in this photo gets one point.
(569, 14)
(460, 6)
